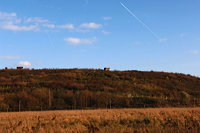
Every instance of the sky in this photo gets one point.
(120, 34)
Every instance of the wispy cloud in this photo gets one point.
(14, 27)
(194, 52)
(67, 26)
(91, 25)
(10, 57)
(79, 41)
(24, 64)
(105, 32)
(7, 16)
(36, 20)
(10, 21)
(52, 26)
(161, 40)
(107, 18)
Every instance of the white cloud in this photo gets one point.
(79, 30)
(163, 40)
(194, 52)
(105, 32)
(10, 21)
(36, 20)
(67, 26)
(7, 16)
(78, 41)
(73, 40)
(52, 26)
(91, 25)
(14, 27)
(107, 18)
(9, 57)
(24, 63)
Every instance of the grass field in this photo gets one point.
(103, 121)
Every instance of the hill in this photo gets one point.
(90, 88)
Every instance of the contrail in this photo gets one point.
(50, 40)
(140, 21)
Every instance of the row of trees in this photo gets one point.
(50, 99)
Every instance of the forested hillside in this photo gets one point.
(89, 88)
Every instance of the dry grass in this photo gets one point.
(103, 121)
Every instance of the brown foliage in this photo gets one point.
(83, 88)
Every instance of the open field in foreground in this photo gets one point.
(104, 121)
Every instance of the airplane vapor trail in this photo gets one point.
(140, 21)
(50, 40)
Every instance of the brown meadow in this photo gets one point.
(103, 121)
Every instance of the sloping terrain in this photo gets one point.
(90, 88)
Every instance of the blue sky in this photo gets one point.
(101, 33)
